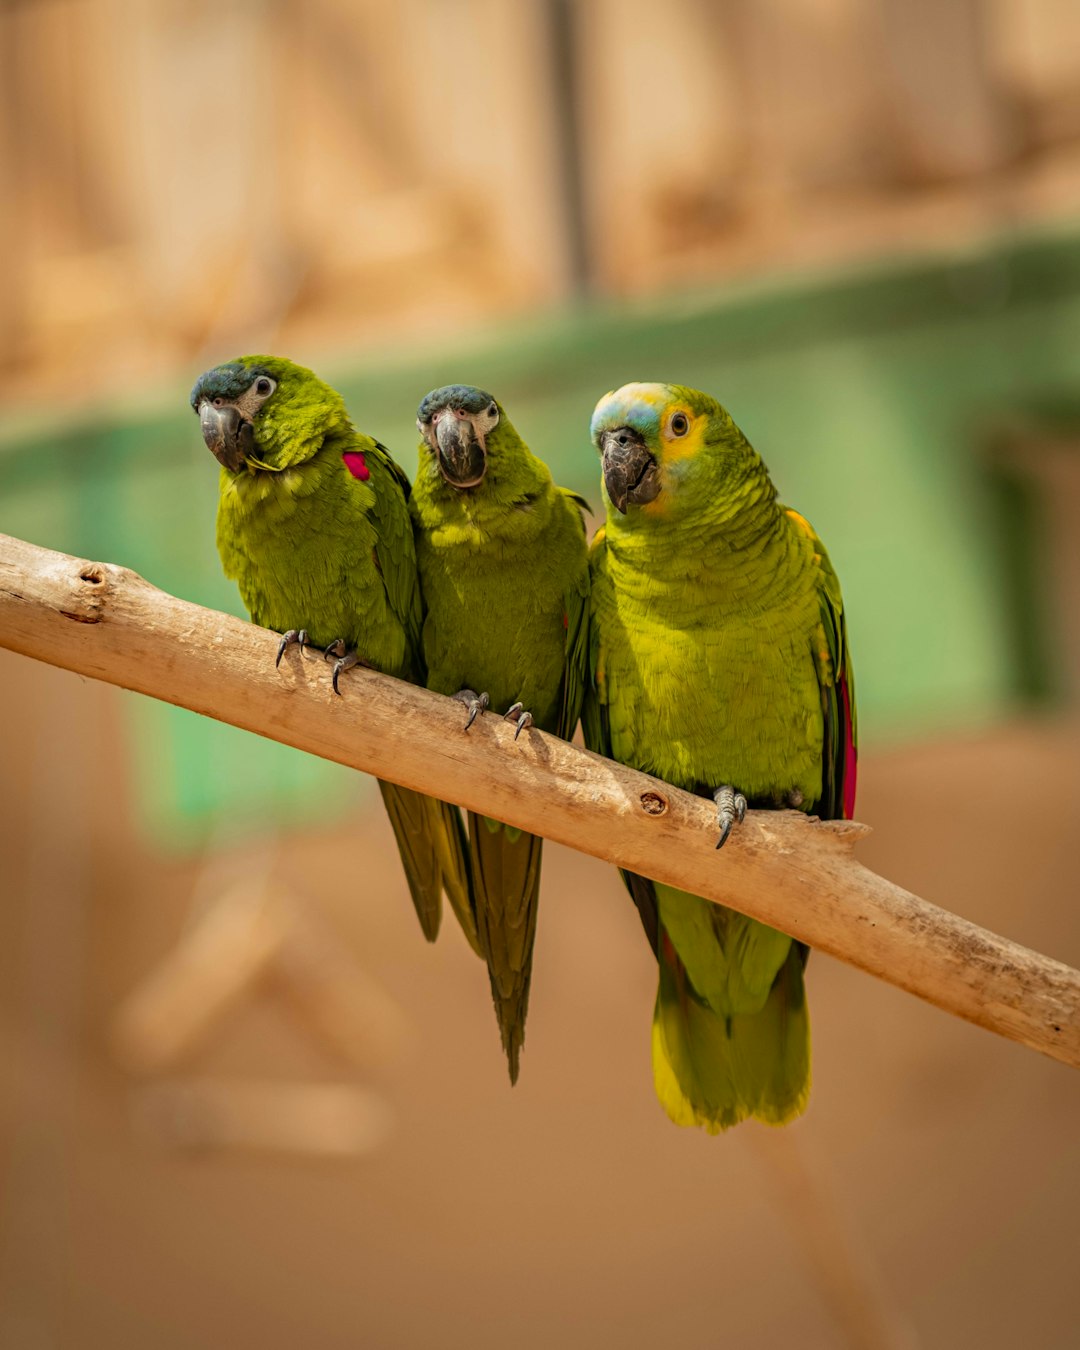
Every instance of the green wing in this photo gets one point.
(576, 657)
(395, 551)
(430, 833)
(597, 732)
(836, 680)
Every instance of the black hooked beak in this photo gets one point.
(228, 436)
(462, 461)
(630, 472)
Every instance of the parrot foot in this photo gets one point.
(476, 704)
(294, 635)
(730, 807)
(346, 659)
(517, 713)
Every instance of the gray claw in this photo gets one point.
(346, 659)
(476, 704)
(297, 635)
(730, 807)
(345, 662)
(517, 713)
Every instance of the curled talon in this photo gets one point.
(345, 662)
(297, 635)
(476, 704)
(516, 712)
(730, 807)
(337, 648)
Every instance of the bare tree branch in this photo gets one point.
(787, 870)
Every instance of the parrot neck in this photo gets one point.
(741, 550)
(513, 505)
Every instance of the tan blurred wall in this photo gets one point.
(181, 179)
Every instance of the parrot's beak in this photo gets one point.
(630, 472)
(228, 436)
(461, 456)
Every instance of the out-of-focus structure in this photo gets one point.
(239, 1099)
(181, 178)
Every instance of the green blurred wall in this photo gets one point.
(872, 397)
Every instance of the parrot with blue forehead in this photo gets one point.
(313, 525)
(719, 662)
(504, 569)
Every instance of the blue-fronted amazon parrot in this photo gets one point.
(719, 662)
(313, 525)
(504, 569)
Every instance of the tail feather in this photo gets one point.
(714, 1070)
(452, 844)
(432, 843)
(505, 865)
(731, 960)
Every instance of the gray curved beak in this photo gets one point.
(630, 472)
(227, 435)
(462, 461)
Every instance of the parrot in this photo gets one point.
(719, 662)
(313, 525)
(503, 563)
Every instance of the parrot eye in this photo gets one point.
(264, 386)
(680, 424)
(493, 411)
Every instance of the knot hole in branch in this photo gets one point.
(653, 804)
(88, 605)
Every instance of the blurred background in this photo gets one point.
(241, 1101)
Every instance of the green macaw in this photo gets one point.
(719, 662)
(505, 574)
(313, 525)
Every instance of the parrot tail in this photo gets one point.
(433, 846)
(713, 1071)
(506, 887)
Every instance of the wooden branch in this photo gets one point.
(787, 870)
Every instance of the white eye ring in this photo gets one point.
(265, 386)
(680, 424)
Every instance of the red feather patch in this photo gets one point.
(354, 462)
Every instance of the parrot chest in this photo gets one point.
(702, 701)
(496, 620)
(308, 561)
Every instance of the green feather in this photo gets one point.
(505, 577)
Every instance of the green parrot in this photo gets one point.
(719, 662)
(313, 525)
(504, 569)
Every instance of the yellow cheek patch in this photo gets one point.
(687, 445)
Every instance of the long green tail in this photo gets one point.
(714, 1069)
(434, 852)
(506, 889)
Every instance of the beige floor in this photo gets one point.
(928, 1198)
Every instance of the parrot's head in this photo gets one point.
(264, 412)
(463, 429)
(662, 444)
